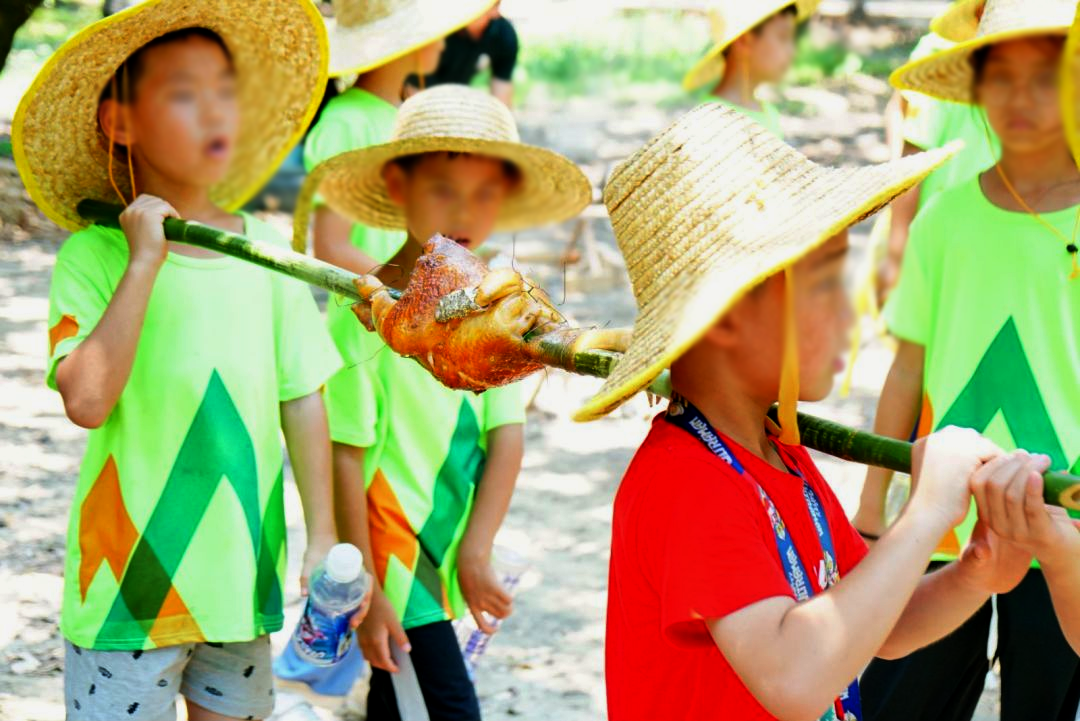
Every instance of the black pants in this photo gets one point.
(1040, 673)
(448, 693)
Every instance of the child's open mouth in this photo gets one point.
(460, 240)
(217, 149)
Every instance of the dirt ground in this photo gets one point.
(547, 661)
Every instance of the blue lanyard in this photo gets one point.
(682, 414)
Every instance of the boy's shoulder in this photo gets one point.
(94, 247)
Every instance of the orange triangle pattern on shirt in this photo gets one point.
(65, 328)
(950, 544)
(391, 532)
(106, 533)
(174, 623)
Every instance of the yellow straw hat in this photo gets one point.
(711, 208)
(960, 22)
(455, 119)
(730, 20)
(62, 153)
(948, 75)
(365, 34)
(1070, 87)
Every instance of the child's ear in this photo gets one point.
(114, 123)
(724, 332)
(395, 178)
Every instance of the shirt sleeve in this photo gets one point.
(503, 50)
(81, 289)
(503, 407)
(910, 309)
(716, 553)
(306, 356)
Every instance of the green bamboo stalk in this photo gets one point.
(834, 439)
(302, 267)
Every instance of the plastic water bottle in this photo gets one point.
(509, 567)
(336, 589)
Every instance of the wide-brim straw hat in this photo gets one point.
(61, 151)
(454, 119)
(1070, 87)
(948, 74)
(711, 208)
(731, 19)
(960, 22)
(365, 34)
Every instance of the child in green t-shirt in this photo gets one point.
(753, 44)
(185, 365)
(988, 320)
(434, 469)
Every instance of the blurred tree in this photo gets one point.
(13, 15)
(858, 10)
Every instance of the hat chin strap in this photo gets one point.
(789, 373)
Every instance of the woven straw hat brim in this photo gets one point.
(696, 239)
(553, 188)
(960, 22)
(740, 17)
(1070, 87)
(948, 74)
(419, 23)
(61, 152)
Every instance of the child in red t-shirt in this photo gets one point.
(738, 589)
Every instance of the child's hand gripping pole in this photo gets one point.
(301, 267)
(1060, 489)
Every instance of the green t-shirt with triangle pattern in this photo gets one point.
(177, 530)
(425, 453)
(987, 293)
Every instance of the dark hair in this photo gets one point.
(127, 75)
(981, 56)
(409, 162)
(789, 10)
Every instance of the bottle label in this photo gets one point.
(321, 639)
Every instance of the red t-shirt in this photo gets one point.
(691, 540)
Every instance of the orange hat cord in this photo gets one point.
(112, 140)
(789, 373)
(1070, 245)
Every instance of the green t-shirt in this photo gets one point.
(426, 448)
(930, 123)
(177, 530)
(768, 116)
(986, 292)
(353, 120)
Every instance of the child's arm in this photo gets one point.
(334, 245)
(303, 421)
(897, 413)
(482, 590)
(93, 376)
(1011, 504)
(797, 657)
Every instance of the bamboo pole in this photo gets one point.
(834, 439)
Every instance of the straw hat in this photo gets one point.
(365, 34)
(960, 22)
(730, 20)
(59, 147)
(456, 119)
(711, 208)
(948, 75)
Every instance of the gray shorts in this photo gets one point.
(231, 679)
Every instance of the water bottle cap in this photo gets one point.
(344, 563)
(508, 561)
